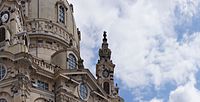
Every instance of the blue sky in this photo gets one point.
(155, 45)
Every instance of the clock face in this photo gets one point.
(5, 17)
(105, 73)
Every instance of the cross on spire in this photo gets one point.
(104, 36)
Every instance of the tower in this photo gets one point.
(105, 70)
(40, 55)
(13, 35)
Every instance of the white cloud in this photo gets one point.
(186, 93)
(188, 8)
(156, 100)
(142, 38)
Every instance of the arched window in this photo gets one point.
(2, 71)
(72, 61)
(2, 100)
(2, 34)
(106, 87)
(61, 16)
(26, 41)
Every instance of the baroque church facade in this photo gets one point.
(40, 56)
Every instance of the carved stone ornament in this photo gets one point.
(21, 83)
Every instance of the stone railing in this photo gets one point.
(43, 26)
(44, 65)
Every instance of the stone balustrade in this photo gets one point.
(43, 26)
(44, 65)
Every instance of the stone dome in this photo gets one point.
(51, 27)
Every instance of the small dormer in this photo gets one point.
(67, 59)
(4, 29)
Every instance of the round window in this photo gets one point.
(2, 100)
(2, 72)
(83, 92)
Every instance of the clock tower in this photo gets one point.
(105, 70)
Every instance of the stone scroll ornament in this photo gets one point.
(22, 84)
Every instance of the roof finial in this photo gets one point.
(104, 36)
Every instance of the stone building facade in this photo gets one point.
(40, 56)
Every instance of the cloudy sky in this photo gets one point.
(155, 45)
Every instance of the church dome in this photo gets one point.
(51, 27)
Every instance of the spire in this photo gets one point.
(104, 52)
(104, 37)
(104, 44)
